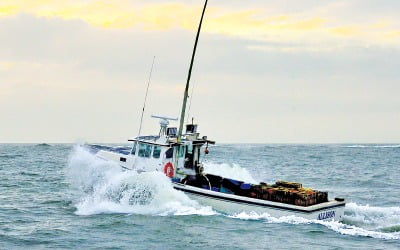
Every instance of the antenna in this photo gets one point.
(145, 98)
(164, 117)
(164, 122)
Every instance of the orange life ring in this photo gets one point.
(169, 169)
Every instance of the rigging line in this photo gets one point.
(145, 98)
(190, 104)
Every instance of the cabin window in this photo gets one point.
(144, 150)
(169, 153)
(156, 152)
(181, 151)
(134, 148)
(188, 160)
(189, 149)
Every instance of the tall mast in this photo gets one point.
(189, 75)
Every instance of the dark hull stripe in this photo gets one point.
(243, 202)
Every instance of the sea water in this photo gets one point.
(60, 196)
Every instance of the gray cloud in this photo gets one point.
(71, 81)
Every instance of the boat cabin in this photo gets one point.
(164, 152)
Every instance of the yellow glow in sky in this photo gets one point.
(253, 24)
(345, 31)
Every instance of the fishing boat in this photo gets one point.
(177, 153)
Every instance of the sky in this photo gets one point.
(265, 71)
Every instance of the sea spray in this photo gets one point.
(104, 187)
(233, 171)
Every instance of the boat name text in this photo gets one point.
(326, 215)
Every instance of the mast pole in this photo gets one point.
(189, 75)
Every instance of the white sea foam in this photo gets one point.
(372, 217)
(233, 171)
(365, 216)
(103, 187)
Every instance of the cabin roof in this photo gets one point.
(153, 139)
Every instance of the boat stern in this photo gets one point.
(327, 211)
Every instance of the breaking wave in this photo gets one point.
(103, 187)
(233, 171)
(380, 218)
(360, 220)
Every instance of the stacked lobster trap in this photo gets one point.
(282, 191)
(290, 193)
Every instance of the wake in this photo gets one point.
(360, 220)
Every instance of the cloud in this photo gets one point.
(312, 27)
(78, 69)
(393, 34)
(7, 10)
(118, 14)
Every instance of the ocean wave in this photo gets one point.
(372, 146)
(372, 217)
(10, 156)
(103, 187)
(358, 231)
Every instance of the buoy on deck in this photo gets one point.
(169, 169)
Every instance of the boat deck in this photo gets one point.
(257, 202)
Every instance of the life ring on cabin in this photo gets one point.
(169, 169)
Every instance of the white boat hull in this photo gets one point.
(234, 204)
